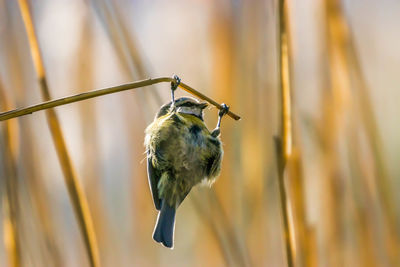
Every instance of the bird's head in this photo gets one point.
(186, 105)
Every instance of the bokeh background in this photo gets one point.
(342, 177)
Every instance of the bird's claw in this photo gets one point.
(216, 132)
(224, 110)
(174, 85)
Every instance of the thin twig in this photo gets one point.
(109, 90)
(284, 143)
(75, 190)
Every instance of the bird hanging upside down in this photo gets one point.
(181, 153)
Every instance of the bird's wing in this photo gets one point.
(154, 178)
(213, 166)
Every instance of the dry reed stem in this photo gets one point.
(217, 233)
(288, 234)
(225, 224)
(26, 163)
(222, 49)
(370, 122)
(10, 234)
(296, 192)
(14, 66)
(125, 46)
(85, 75)
(284, 143)
(41, 74)
(227, 204)
(342, 33)
(10, 200)
(364, 214)
(109, 90)
(312, 248)
(332, 121)
(74, 188)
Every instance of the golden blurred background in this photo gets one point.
(309, 175)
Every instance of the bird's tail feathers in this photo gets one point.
(164, 230)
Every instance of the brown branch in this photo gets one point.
(95, 93)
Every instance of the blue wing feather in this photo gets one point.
(153, 178)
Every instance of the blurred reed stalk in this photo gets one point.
(345, 46)
(284, 142)
(333, 109)
(304, 234)
(205, 215)
(85, 76)
(225, 196)
(128, 52)
(130, 59)
(365, 216)
(26, 162)
(221, 225)
(10, 199)
(127, 49)
(74, 188)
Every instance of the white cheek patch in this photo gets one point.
(188, 110)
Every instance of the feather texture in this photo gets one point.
(181, 153)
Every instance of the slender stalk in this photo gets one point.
(127, 51)
(74, 188)
(109, 90)
(10, 233)
(227, 228)
(288, 235)
(368, 115)
(10, 200)
(285, 91)
(341, 33)
(297, 195)
(284, 143)
(205, 215)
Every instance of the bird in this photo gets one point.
(181, 153)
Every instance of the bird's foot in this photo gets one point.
(174, 85)
(224, 110)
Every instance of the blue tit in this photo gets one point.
(181, 153)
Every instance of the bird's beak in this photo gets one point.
(203, 105)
